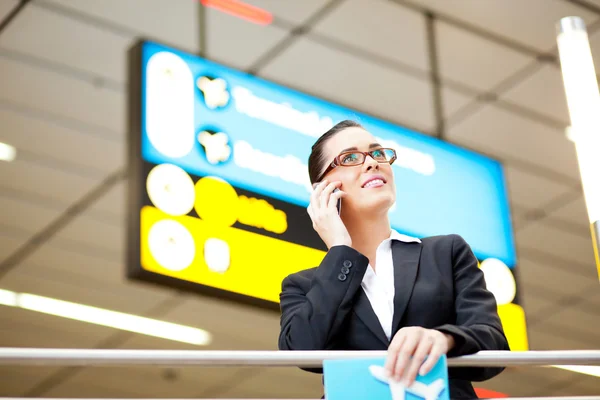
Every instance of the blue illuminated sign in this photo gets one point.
(213, 120)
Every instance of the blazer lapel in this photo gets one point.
(406, 265)
(364, 311)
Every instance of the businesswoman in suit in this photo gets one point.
(377, 289)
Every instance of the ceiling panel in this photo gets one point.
(528, 190)
(73, 286)
(580, 324)
(291, 11)
(452, 101)
(53, 141)
(11, 241)
(96, 233)
(276, 383)
(24, 328)
(176, 23)
(544, 338)
(6, 6)
(526, 26)
(15, 381)
(473, 61)
(397, 33)
(65, 96)
(41, 181)
(236, 42)
(575, 212)
(542, 92)
(562, 244)
(353, 82)
(18, 213)
(49, 35)
(514, 382)
(533, 302)
(226, 319)
(112, 205)
(557, 282)
(501, 133)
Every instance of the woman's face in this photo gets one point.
(369, 186)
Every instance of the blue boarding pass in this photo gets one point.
(366, 379)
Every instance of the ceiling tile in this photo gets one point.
(31, 86)
(112, 205)
(473, 61)
(397, 33)
(50, 36)
(277, 383)
(19, 213)
(578, 324)
(542, 92)
(532, 302)
(41, 137)
(543, 338)
(95, 233)
(42, 181)
(504, 134)
(24, 328)
(528, 190)
(15, 381)
(526, 22)
(562, 244)
(355, 83)
(452, 101)
(11, 240)
(72, 285)
(550, 281)
(6, 6)
(575, 212)
(238, 43)
(291, 11)
(176, 23)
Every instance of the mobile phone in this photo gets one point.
(339, 203)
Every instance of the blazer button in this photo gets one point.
(348, 264)
(342, 277)
(345, 270)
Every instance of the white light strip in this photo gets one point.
(7, 152)
(592, 370)
(99, 316)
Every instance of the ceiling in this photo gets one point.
(62, 201)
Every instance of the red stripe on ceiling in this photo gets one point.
(240, 10)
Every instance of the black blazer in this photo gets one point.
(437, 286)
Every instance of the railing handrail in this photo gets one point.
(307, 359)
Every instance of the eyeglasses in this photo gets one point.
(353, 158)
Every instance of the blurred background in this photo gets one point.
(449, 77)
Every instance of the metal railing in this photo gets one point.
(306, 359)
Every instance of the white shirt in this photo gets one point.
(379, 286)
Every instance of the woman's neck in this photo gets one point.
(368, 233)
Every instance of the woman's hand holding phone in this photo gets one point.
(324, 214)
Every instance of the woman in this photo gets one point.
(377, 289)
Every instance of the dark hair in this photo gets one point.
(316, 160)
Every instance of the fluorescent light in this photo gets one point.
(592, 370)
(99, 316)
(7, 152)
(583, 100)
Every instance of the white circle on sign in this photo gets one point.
(171, 189)
(499, 280)
(171, 245)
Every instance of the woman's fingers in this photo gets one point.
(421, 352)
(326, 194)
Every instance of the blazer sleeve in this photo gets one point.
(312, 312)
(478, 325)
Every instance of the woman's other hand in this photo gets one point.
(415, 350)
(324, 214)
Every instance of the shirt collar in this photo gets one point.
(403, 238)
